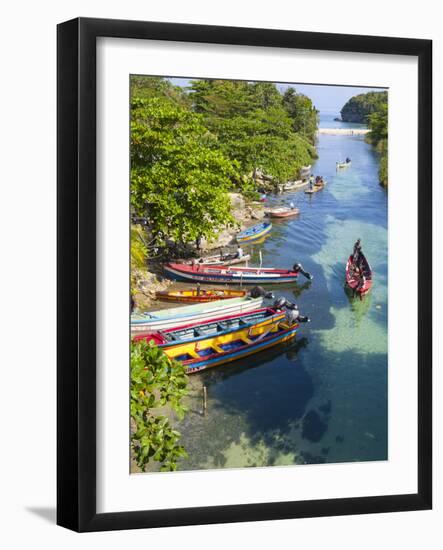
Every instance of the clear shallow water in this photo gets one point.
(323, 397)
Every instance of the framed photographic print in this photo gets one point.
(244, 274)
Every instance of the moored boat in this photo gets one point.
(315, 189)
(180, 316)
(226, 259)
(358, 272)
(254, 233)
(218, 350)
(283, 212)
(232, 274)
(198, 295)
(215, 328)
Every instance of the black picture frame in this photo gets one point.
(76, 265)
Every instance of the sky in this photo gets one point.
(327, 99)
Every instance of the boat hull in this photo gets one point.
(315, 189)
(353, 282)
(179, 317)
(290, 213)
(220, 275)
(220, 330)
(254, 233)
(195, 296)
(265, 337)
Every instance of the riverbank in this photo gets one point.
(147, 281)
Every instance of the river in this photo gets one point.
(323, 397)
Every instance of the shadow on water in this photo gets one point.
(359, 306)
(280, 406)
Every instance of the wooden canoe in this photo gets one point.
(254, 233)
(315, 189)
(220, 326)
(358, 274)
(229, 346)
(194, 295)
(283, 212)
(180, 316)
(222, 274)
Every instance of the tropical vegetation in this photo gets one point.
(360, 107)
(191, 147)
(372, 109)
(156, 383)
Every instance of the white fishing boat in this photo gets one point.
(179, 316)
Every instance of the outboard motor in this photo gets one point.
(298, 268)
(293, 312)
(280, 303)
(257, 292)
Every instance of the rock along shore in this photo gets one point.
(150, 280)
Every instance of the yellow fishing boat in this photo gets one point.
(229, 345)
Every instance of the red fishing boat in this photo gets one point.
(358, 272)
(283, 212)
(222, 274)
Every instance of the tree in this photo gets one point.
(253, 127)
(378, 136)
(360, 107)
(179, 175)
(148, 87)
(156, 381)
(302, 112)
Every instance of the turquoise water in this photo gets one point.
(323, 397)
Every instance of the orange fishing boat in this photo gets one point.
(192, 295)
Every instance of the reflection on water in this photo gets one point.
(322, 397)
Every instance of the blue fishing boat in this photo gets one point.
(254, 233)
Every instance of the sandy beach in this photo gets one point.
(343, 131)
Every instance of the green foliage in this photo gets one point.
(178, 172)
(156, 381)
(378, 136)
(372, 109)
(148, 87)
(254, 127)
(190, 147)
(378, 124)
(360, 107)
(302, 112)
(138, 248)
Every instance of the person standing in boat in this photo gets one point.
(240, 253)
(311, 183)
(357, 252)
